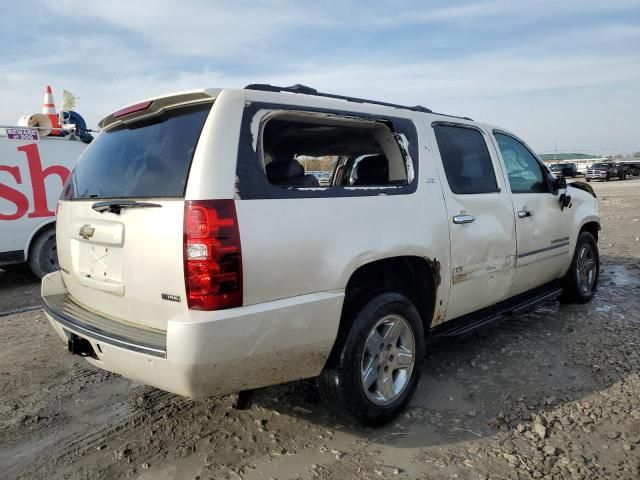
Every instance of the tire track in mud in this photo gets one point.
(86, 373)
(546, 366)
(116, 417)
(94, 438)
(58, 405)
(16, 311)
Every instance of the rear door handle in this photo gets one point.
(525, 213)
(463, 219)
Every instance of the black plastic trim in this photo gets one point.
(484, 317)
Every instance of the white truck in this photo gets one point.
(32, 173)
(198, 255)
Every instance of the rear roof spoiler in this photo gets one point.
(157, 105)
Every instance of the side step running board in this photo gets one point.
(469, 323)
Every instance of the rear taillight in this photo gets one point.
(212, 255)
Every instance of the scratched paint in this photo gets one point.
(467, 272)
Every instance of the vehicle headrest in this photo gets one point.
(375, 166)
(284, 169)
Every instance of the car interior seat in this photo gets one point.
(373, 170)
(286, 171)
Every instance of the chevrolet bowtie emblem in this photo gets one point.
(86, 231)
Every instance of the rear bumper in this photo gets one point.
(206, 353)
(83, 322)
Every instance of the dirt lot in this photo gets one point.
(551, 394)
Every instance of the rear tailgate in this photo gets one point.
(120, 222)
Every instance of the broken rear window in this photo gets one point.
(307, 151)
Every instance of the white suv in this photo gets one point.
(198, 256)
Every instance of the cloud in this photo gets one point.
(200, 27)
(496, 60)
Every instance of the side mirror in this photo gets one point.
(559, 183)
(565, 201)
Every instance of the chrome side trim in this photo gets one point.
(533, 252)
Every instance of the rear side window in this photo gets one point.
(523, 169)
(466, 160)
(303, 150)
(149, 158)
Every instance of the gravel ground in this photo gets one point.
(550, 394)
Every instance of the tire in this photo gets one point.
(581, 281)
(341, 383)
(43, 257)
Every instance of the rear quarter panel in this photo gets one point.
(298, 246)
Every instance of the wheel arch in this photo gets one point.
(591, 225)
(418, 278)
(35, 234)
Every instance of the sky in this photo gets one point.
(562, 74)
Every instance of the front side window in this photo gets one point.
(523, 169)
(466, 160)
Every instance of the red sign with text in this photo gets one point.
(38, 176)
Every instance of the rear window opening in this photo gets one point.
(149, 158)
(313, 151)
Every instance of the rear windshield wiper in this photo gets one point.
(115, 206)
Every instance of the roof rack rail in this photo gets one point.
(298, 88)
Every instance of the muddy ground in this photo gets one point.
(551, 394)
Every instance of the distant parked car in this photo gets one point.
(565, 169)
(606, 171)
(633, 169)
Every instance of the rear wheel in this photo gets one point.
(43, 254)
(377, 368)
(581, 280)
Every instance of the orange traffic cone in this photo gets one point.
(49, 109)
